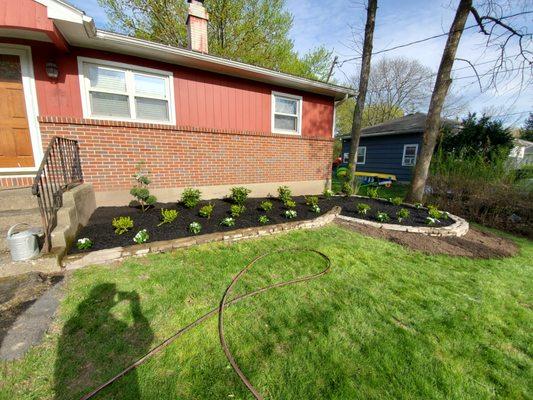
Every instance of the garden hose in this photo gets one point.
(224, 303)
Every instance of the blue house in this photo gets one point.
(391, 147)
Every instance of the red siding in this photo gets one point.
(202, 99)
(24, 14)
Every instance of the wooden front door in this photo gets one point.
(15, 139)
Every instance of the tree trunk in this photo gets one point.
(433, 121)
(363, 86)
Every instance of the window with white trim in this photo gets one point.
(286, 113)
(116, 91)
(409, 155)
(361, 155)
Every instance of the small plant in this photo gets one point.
(445, 215)
(206, 211)
(168, 216)
(311, 200)
(239, 194)
(396, 201)
(328, 193)
(315, 208)
(434, 212)
(284, 194)
(266, 205)
(363, 208)
(191, 197)
(195, 228)
(237, 210)
(347, 189)
(431, 221)
(228, 221)
(140, 189)
(84, 244)
(263, 219)
(382, 216)
(290, 204)
(141, 237)
(122, 224)
(290, 214)
(418, 205)
(373, 192)
(402, 214)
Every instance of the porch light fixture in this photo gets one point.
(52, 70)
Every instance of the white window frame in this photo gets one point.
(405, 146)
(274, 113)
(364, 156)
(129, 70)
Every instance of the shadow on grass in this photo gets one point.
(95, 345)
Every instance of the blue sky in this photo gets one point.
(334, 23)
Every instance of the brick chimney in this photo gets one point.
(197, 26)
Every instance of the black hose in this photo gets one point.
(224, 303)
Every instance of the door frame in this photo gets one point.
(32, 108)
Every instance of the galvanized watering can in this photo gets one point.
(23, 245)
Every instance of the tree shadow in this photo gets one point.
(95, 345)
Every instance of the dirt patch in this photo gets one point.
(18, 293)
(475, 244)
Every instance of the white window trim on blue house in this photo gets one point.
(361, 149)
(409, 161)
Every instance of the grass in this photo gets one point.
(396, 189)
(385, 323)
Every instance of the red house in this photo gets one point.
(196, 119)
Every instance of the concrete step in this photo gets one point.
(17, 199)
(9, 218)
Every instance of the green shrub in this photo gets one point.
(290, 204)
(396, 201)
(290, 214)
(84, 244)
(168, 216)
(373, 192)
(363, 208)
(263, 219)
(228, 221)
(328, 193)
(191, 197)
(419, 205)
(206, 211)
(315, 208)
(239, 194)
(237, 210)
(311, 200)
(141, 237)
(402, 214)
(195, 228)
(347, 189)
(140, 189)
(284, 194)
(382, 216)
(266, 205)
(433, 212)
(122, 224)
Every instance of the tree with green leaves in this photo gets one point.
(251, 31)
(526, 132)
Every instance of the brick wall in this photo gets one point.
(16, 182)
(185, 156)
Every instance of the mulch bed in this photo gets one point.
(101, 232)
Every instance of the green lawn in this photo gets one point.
(385, 323)
(396, 189)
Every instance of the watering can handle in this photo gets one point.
(10, 231)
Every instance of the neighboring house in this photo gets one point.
(196, 119)
(391, 147)
(522, 153)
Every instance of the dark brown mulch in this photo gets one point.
(475, 244)
(101, 232)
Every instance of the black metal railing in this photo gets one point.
(59, 171)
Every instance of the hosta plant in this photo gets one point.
(432, 221)
(206, 211)
(122, 224)
(434, 212)
(382, 216)
(315, 208)
(290, 204)
(284, 194)
(363, 208)
(373, 192)
(239, 194)
(396, 201)
(237, 210)
(328, 193)
(402, 214)
(140, 189)
(228, 221)
(266, 205)
(191, 197)
(141, 237)
(290, 214)
(419, 205)
(195, 228)
(168, 216)
(84, 243)
(263, 219)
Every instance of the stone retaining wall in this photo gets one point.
(117, 253)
